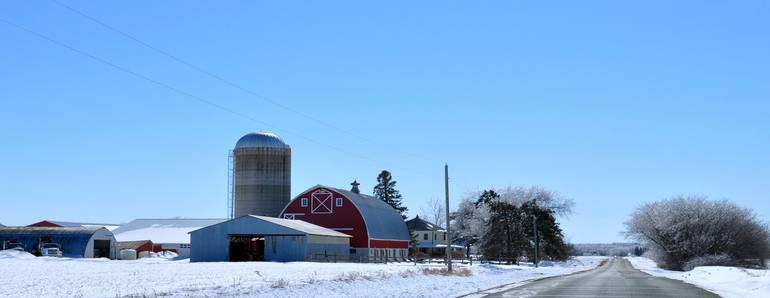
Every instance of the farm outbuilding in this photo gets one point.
(166, 234)
(76, 242)
(378, 230)
(261, 238)
(139, 246)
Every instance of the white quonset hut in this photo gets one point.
(260, 238)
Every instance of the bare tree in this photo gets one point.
(435, 213)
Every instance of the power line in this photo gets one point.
(185, 93)
(232, 84)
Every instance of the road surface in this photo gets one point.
(616, 279)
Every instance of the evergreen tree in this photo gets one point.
(504, 237)
(487, 196)
(386, 191)
(552, 245)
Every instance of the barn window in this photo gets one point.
(339, 202)
(444, 236)
(303, 202)
(425, 236)
(321, 202)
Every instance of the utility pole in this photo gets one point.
(537, 242)
(448, 237)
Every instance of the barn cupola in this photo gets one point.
(355, 185)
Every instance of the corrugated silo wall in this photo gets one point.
(262, 180)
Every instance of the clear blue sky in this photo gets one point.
(611, 103)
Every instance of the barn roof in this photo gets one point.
(382, 221)
(49, 230)
(299, 227)
(71, 224)
(131, 244)
(302, 226)
(419, 224)
(160, 230)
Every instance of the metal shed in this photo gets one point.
(81, 242)
(261, 238)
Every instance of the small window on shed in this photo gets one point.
(425, 236)
(303, 202)
(338, 203)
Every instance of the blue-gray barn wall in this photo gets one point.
(285, 248)
(211, 244)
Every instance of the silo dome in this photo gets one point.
(261, 175)
(261, 139)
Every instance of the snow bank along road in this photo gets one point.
(27, 276)
(728, 282)
(616, 279)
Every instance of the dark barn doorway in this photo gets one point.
(247, 248)
(102, 248)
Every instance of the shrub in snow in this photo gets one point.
(279, 284)
(444, 272)
(714, 260)
(684, 229)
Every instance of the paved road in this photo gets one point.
(615, 279)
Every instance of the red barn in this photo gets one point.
(378, 230)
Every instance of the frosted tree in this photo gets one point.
(544, 198)
(684, 232)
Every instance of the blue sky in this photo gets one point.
(609, 103)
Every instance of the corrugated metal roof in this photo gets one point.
(49, 230)
(79, 224)
(159, 230)
(382, 221)
(261, 139)
(131, 244)
(302, 226)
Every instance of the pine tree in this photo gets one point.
(504, 237)
(552, 245)
(386, 191)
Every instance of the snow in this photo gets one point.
(170, 230)
(15, 254)
(728, 282)
(65, 277)
(158, 234)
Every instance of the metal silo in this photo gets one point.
(261, 175)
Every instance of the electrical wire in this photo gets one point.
(234, 85)
(190, 95)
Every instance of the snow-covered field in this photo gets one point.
(728, 282)
(27, 276)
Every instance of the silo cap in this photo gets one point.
(261, 140)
